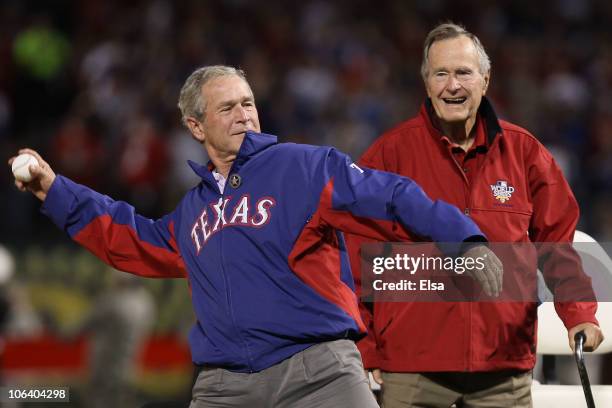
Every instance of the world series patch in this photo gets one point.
(502, 191)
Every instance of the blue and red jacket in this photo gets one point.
(266, 263)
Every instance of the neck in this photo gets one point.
(222, 162)
(460, 133)
(223, 168)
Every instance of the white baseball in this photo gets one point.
(21, 167)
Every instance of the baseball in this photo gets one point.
(21, 167)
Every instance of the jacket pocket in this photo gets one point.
(320, 361)
(503, 224)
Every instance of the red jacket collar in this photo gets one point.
(485, 111)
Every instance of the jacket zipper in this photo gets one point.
(228, 291)
(466, 210)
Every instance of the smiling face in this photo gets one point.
(229, 112)
(454, 81)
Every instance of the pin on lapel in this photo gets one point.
(235, 180)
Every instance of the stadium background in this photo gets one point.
(90, 83)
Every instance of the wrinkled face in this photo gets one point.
(230, 112)
(454, 81)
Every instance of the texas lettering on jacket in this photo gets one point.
(219, 215)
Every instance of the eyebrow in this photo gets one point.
(233, 102)
(460, 68)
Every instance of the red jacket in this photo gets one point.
(487, 336)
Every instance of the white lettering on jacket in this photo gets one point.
(242, 213)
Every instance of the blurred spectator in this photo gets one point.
(119, 322)
(17, 317)
(41, 50)
(142, 163)
(180, 149)
(41, 54)
(78, 152)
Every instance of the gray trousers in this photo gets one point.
(328, 374)
(466, 390)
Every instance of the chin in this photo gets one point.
(237, 143)
(454, 118)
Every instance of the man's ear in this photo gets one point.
(426, 88)
(487, 78)
(197, 129)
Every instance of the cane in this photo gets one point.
(579, 340)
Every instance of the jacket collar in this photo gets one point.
(252, 144)
(485, 111)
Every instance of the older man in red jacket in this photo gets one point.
(474, 354)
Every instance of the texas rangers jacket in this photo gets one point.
(267, 267)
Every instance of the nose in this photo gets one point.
(453, 83)
(242, 115)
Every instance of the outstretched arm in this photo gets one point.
(110, 229)
(366, 202)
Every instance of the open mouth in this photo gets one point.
(454, 101)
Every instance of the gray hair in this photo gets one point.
(190, 100)
(446, 31)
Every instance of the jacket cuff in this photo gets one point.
(572, 314)
(459, 248)
(471, 242)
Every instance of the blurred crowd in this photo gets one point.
(93, 85)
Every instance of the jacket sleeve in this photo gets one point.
(113, 231)
(365, 202)
(554, 220)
